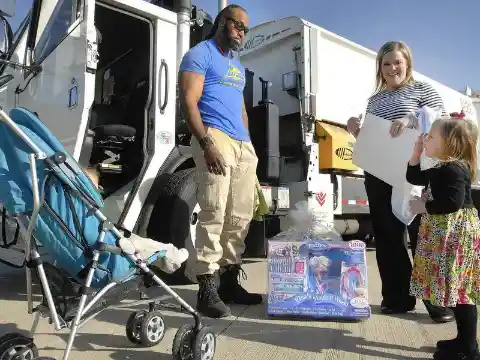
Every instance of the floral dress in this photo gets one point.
(447, 260)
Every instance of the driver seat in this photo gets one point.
(5, 79)
(100, 114)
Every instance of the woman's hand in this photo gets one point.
(417, 206)
(398, 126)
(353, 125)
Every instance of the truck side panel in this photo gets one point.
(343, 77)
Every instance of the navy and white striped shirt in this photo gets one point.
(396, 104)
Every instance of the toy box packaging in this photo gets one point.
(318, 279)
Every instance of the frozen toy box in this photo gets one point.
(318, 279)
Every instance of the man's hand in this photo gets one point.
(214, 160)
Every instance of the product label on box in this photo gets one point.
(317, 278)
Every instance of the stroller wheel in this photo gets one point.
(9, 336)
(16, 346)
(145, 328)
(134, 326)
(152, 329)
(205, 344)
(195, 346)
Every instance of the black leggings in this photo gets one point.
(393, 259)
(466, 318)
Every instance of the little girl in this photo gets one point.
(447, 261)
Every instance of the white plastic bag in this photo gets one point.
(424, 118)
(401, 196)
(309, 223)
(401, 201)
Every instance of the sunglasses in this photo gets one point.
(239, 26)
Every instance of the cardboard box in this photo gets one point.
(318, 279)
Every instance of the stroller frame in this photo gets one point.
(196, 342)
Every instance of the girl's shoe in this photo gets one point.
(437, 313)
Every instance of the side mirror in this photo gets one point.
(7, 8)
(6, 37)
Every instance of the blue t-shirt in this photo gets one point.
(222, 99)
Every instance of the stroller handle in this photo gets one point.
(39, 154)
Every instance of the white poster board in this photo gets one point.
(377, 153)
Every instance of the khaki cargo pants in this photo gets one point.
(226, 203)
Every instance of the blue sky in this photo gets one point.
(443, 37)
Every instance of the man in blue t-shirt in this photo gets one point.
(211, 82)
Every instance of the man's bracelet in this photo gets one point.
(205, 142)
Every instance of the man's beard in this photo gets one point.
(234, 45)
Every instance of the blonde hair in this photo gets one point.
(460, 138)
(380, 83)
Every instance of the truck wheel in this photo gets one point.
(174, 217)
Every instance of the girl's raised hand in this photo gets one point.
(418, 147)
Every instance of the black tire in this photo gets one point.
(8, 336)
(152, 329)
(189, 344)
(17, 343)
(182, 347)
(134, 327)
(204, 344)
(171, 217)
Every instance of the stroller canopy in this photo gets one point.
(16, 192)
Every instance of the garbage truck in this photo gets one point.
(102, 75)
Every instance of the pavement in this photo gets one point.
(247, 335)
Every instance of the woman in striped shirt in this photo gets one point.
(396, 96)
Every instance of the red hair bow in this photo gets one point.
(457, 115)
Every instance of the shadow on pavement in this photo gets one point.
(303, 338)
(422, 318)
(261, 329)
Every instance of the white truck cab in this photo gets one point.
(102, 76)
(87, 64)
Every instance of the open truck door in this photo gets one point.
(158, 118)
(62, 54)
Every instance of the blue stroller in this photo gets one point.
(88, 263)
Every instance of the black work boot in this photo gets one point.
(231, 291)
(456, 355)
(449, 345)
(208, 302)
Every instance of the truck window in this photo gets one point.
(65, 13)
(16, 38)
(21, 29)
